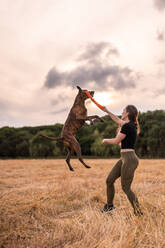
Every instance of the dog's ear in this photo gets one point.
(78, 87)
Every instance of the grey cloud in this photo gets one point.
(54, 77)
(59, 111)
(103, 76)
(159, 4)
(160, 36)
(94, 66)
(64, 97)
(161, 61)
(160, 92)
(95, 50)
(60, 98)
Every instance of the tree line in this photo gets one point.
(25, 142)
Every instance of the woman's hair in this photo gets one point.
(133, 115)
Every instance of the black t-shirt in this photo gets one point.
(130, 129)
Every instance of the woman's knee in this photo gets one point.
(126, 185)
(125, 188)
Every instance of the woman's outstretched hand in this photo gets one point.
(105, 109)
(104, 141)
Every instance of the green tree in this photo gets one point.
(23, 143)
(97, 149)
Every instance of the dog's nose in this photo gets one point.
(92, 93)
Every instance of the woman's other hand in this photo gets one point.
(104, 141)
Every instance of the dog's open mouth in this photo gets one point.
(91, 93)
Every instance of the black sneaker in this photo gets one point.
(107, 208)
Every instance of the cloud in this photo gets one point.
(161, 61)
(60, 98)
(159, 4)
(160, 36)
(159, 92)
(94, 51)
(94, 65)
(59, 111)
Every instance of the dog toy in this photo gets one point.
(100, 106)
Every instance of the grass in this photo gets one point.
(44, 205)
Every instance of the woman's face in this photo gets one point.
(124, 114)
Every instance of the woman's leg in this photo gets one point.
(130, 163)
(113, 175)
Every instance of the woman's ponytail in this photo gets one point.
(133, 116)
(138, 125)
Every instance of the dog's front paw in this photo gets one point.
(87, 166)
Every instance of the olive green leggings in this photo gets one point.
(125, 169)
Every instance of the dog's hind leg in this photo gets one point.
(82, 161)
(70, 152)
(76, 147)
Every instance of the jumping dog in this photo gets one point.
(75, 120)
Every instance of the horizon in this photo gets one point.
(64, 122)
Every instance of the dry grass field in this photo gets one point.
(44, 205)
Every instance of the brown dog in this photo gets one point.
(76, 119)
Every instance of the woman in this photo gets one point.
(128, 163)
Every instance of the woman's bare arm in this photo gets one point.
(115, 118)
(119, 137)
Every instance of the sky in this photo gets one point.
(48, 47)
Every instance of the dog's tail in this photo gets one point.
(51, 138)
